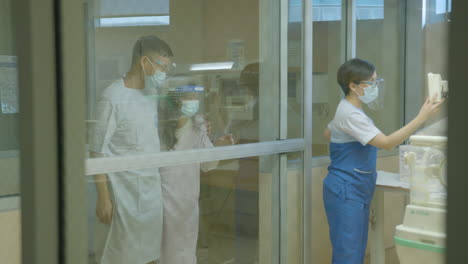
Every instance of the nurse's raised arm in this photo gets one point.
(429, 109)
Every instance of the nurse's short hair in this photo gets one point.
(149, 45)
(354, 71)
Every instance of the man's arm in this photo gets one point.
(104, 205)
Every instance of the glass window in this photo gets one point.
(436, 11)
(369, 9)
(211, 67)
(443, 6)
(294, 78)
(209, 76)
(382, 42)
(328, 55)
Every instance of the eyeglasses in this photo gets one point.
(165, 67)
(374, 83)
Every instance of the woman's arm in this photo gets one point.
(396, 138)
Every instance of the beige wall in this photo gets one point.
(227, 20)
(10, 238)
(184, 34)
(199, 32)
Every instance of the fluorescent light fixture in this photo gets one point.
(212, 66)
(423, 13)
(134, 21)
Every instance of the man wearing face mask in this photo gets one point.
(350, 183)
(129, 203)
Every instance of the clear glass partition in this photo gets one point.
(380, 39)
(329, 50)
(195, 115)
(187, 78)
(211, 212)
(225, 53)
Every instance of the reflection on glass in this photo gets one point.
(243, 111)
(168, 76)
(328, 55)
(217, 46)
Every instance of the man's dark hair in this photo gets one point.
(148, 45)
(354, 71)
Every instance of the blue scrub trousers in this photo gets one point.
(348, 221)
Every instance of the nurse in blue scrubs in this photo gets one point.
(354, 141)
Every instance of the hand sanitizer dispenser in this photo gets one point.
(437, 86)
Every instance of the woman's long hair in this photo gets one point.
(168, 116)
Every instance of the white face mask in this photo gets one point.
(371, 93)
(190, 107)
(155, 81)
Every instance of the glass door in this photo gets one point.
(191, 116)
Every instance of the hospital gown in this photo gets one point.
(181, 190)
(126, 126)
